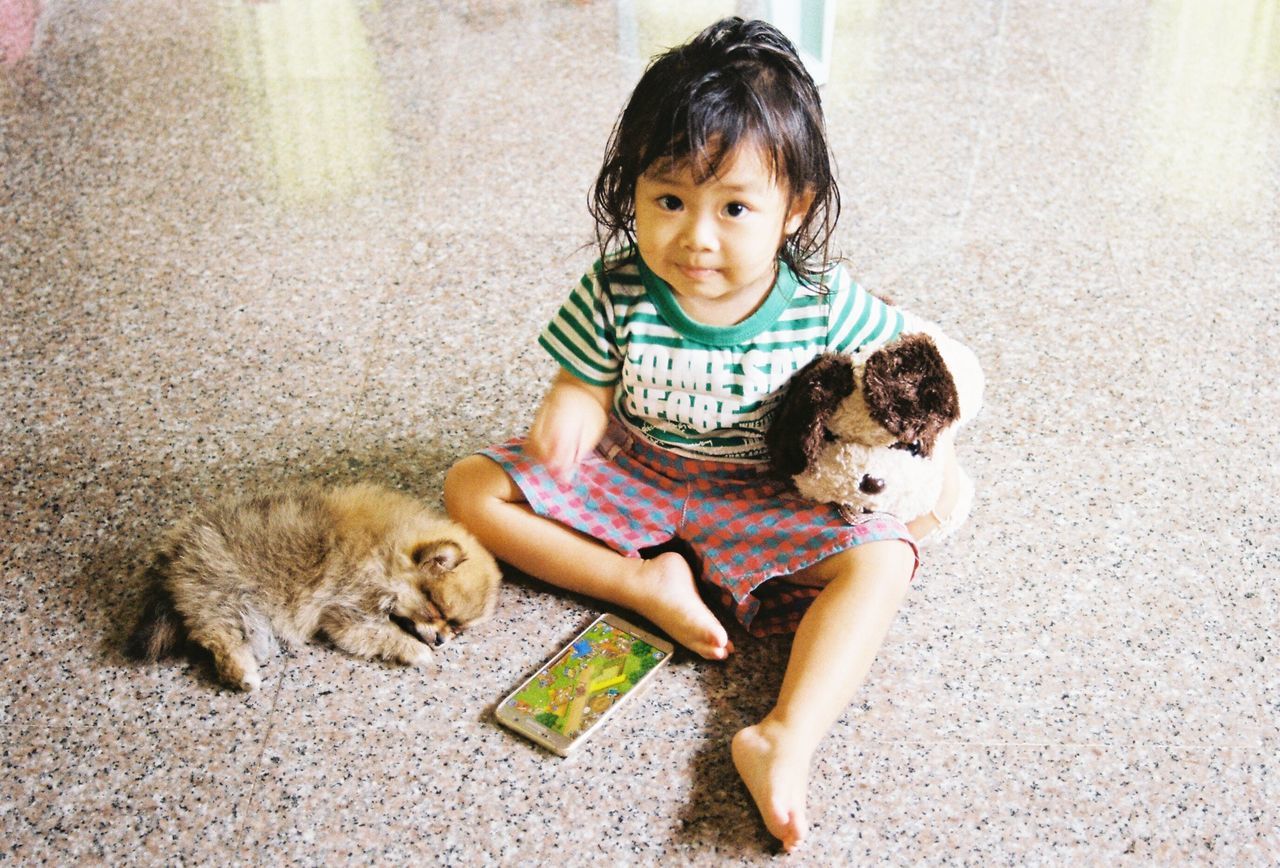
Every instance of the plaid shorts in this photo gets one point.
(744, 528)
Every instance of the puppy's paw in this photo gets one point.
(237, 668)
(434, 633)
(421, 657)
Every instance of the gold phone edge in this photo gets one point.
(555, 742)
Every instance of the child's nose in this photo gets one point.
(699, 233)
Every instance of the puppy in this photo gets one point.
(353, 563)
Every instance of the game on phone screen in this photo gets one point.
(585, 681)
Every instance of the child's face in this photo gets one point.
(716, 243)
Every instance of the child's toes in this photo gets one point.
(791, 832)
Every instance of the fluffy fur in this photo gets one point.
(910, 392)
(354, 563)
(863, 433)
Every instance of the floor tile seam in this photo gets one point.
(981, 133)
(280, 431)
(1251, 241)
(1253, 689)
(1263, 745)
(328, 728)
(250, 800)
(1066, 98)
(1065, 237)
(953, 239)
(325, 729)
(375, 352)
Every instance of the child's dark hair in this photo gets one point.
(736, 82)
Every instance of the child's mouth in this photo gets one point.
(698, 273)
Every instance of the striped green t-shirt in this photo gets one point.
(706, 391)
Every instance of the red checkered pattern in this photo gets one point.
(745, 528)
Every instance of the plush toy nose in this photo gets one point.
(871, 485)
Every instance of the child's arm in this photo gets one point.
(569, 424)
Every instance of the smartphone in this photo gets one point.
(565, 701)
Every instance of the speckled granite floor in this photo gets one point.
(245, 242)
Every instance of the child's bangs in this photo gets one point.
(706, 136)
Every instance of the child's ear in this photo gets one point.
(800, 206)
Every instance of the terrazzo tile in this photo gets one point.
(904, 105)
(132, 378)
(138, 147)
(1160, 118)
(1072, 645)
(1254, 615)
(1224, 460)
(120, 791)
(231, 233)
(65, 663)
(389, 798)
(397, 797)
(1218, 309)
(896, 140)
(560, 58)
(1014, 804)
(907, 41)
(430, 383)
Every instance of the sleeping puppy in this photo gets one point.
(866, 433)
(353, 563)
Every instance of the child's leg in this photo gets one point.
(834, 646)
(481, 496)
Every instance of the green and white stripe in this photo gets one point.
(705, 391)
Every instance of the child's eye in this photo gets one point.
(669, 203)
(736, 209)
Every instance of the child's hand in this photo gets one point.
(556, 439)
(569, 424)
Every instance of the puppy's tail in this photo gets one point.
(160, 630)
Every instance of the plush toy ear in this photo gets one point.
(796, 434)
(910, 392)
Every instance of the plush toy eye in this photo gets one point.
(913, 448)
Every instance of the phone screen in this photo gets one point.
(580, 685)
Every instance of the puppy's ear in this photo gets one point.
(441, 556)
(795, 435)
(910, 392)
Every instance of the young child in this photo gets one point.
(714, 209)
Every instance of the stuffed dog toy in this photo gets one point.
(865, 432)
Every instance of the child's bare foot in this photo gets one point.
(670, 599)
(777, 778)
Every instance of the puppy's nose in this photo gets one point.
(871, 485)
(440, 639)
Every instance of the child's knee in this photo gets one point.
(890, 560)
(471, 482)
(461, 485)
